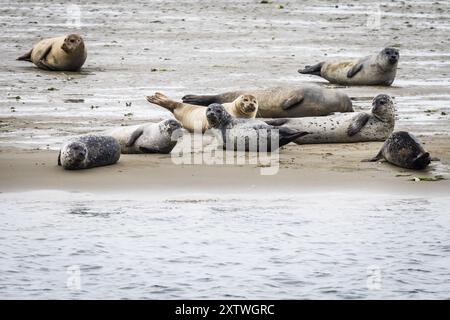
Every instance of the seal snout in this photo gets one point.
(422, 161)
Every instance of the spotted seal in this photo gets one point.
(89, 151)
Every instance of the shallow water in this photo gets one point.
(202, 246)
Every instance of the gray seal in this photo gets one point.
(147, 138)
(404, 150)
(240, 134)
(89, 151)
(376, 125)
(58, 54)
(377, 69)
(285, 102)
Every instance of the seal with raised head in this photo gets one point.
(58, 54)
(285, 102)
(147, 138)
(376, 125)
(89, 151)
(243, 106)
(379, 69)
(403, 150)
(248, 134)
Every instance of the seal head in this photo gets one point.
(74, 155)
(389, 56)
(217, 115)
(71, 43)
(383, 108)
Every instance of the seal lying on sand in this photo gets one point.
(243, 106)
(346, 127)
(58, 54)
(378, 69)
(89, 151)
(404, 150)
(147, 138)
(301, 101)
(248, 134)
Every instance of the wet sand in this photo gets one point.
(137, 48)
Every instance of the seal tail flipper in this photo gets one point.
(162, 100)
(422, 161)
(199, 100)
(314, 70)
(26, 56)
(288, 135)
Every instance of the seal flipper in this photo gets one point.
(288, 135)
(292, 101)
(59, 158)
(354, 70)
(163, 101)
(199, 100)
(314, 70)
(26, 56)
(134, 136)
(358, 123)
(379, 156)
(276, 122)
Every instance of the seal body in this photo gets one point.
(285, 102)
(378, 69)
(194, 117)
(376, 125)
(58, 54)
(404, 150)
(247, 134)
(147, 138)
(89, 151)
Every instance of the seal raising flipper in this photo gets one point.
(162, 100)
(314, 70)
(134, 136)
(358, 123)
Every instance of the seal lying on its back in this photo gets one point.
(404, 150)
(346, 127)
(302, 101)
(248, 134)
(244, 106)
(58, 54)
(147, 138)
(378, 69)
(89, 151)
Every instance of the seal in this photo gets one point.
(243, 106)
(377, 69)
(403, 150)
(285, 102)
(147, 138)
(248, 134)
(89, 151)
(58, 54)
(376, 125)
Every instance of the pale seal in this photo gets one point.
(147, 138)
(89, 151)
(285, 102)
(404, 150)
(248, 134)
(376, 125)
(243, 106)
(377, 69)
(58, 54)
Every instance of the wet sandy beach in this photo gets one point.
(179, 47)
